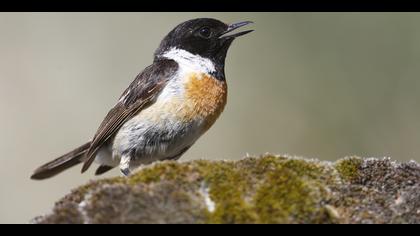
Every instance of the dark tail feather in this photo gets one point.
(62, 163)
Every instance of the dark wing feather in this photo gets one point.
(141, 93)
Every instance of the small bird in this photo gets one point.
(167, 107)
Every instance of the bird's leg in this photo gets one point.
(125, 165)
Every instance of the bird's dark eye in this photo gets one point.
(205, 32)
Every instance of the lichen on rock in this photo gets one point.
(265, 189)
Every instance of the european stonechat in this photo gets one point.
(167, 107)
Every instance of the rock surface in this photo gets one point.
(266, 189)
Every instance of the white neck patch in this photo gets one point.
(187, 59)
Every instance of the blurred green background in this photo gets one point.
(319, 85)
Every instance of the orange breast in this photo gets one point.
(206, 97)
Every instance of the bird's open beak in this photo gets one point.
(234, 26)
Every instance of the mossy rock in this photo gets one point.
(266, 189)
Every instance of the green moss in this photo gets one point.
(288, 196)
(292, 192)
(269, 189)
(348, 168)
(168, 170)
(228, 187)
(266, 189)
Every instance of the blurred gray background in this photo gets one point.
(319, 85)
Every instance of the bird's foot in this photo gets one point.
(126, 171)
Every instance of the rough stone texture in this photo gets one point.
(266, 189)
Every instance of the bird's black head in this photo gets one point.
(205, 37)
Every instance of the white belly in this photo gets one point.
(156, 133)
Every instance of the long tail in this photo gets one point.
(62, 163)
